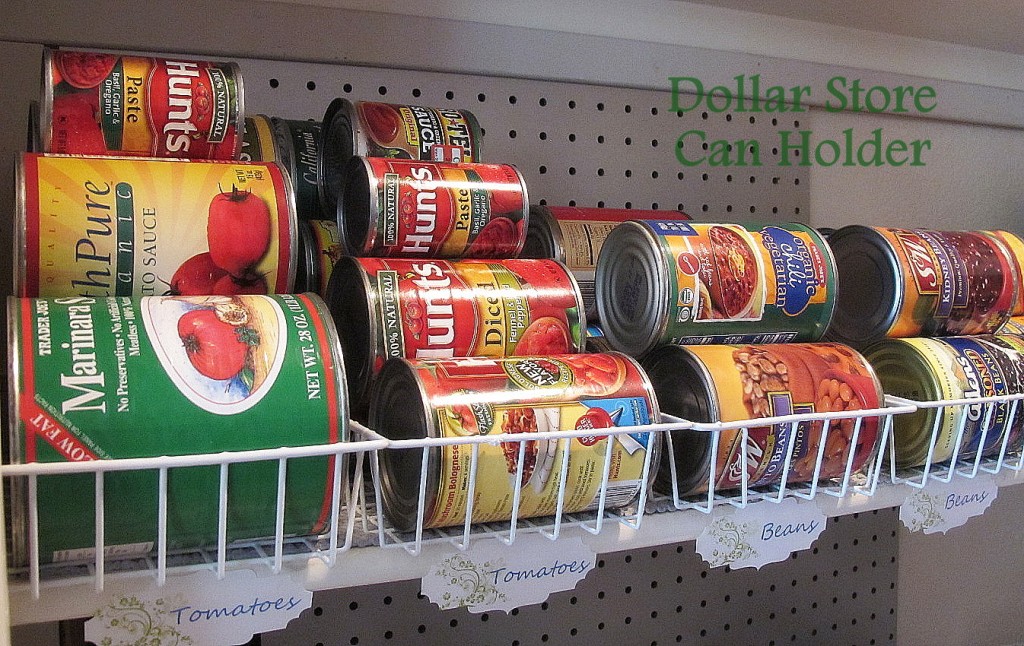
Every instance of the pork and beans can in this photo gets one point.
(298, 146)
(574, 235)
(731, 383)
(914, 282)
(936, 369)
(373, 129)
(109, 104)
(258, 140)
(687, 283)
(96, 378)
(423, 209)
(320, 250)
(102, 226)
(456, 398)
(434, 309)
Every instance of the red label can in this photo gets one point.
(417, 209)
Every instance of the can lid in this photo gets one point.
(356, 208)
(870, 295)
(351, 304)
(307, 269)
(337, 146)
(543, 236)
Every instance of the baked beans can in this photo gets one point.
(1015, 245)
(731, 383)
(434, 309)
(914, 282)
(104, 226)
(421, 209)
(455, 398)
(934, 369)
(258, 140)
(574, 235)
(688, 283)
(372, 129)
(298, 146)
(108, 104)
(320, 250)
(97, 378)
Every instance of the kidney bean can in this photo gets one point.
(1015, 245)
(417, 209)
(298, 145)
(456, 398)
(693, 283)
(100, 104)
(574, 235)
(914, 282)
(99, 226)
(434, 309)
(728, 383)
(117, 377)
(258, 140)
(321, 250)
(372, 129)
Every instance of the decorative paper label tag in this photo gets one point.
(490, 575)
(761, 533)
(941, 507)
(198, 610)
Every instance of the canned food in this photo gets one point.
(1015, 245)
(597, 341)
(575, 235)
(416, 209)
(108, 104)
(466, 397)
(101, 226)
(729, 383)
(687, 283)
(298, 145)
(1014, 325)
(912, 282)
(320, 248)
(371, 129)
(925, 369)
(32, 143)
(258, 140)
(117, 377)
(433, 309)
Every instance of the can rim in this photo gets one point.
(581, 306)
(340, 139)
(338, 358)
(476, 133)
(19, 274)
(521, 240)
(355, 228)
(293, 226)
(831, 270)
(236, 71)
(543, 235)
(18, 496)
(46, 101)
(265, 137)
(348, 276)
(307, 274)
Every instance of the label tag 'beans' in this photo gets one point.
(942, 507)
(760, 533)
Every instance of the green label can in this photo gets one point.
(118, 377)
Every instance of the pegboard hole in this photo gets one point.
(481, 97)
(274, 83)
(453, 623)
(543, 136)
(449, 95)
(704, 177)
(416, 92)
(600, 139)
(573, 632)
(572, 105)
(680, 175)
(388, 634)
(572, 202)
(542, 170)
(382, 90)
(600, 107)
(347, 88)
(728, 117)
(654, 205)
(654, 143)
(387, 601)
(512, 99)
(318, 611)
(629, 173)
(572, 170)
(512, 134)
(654, 174)
(628, 108)
(600, 204)
(572, 136)
(629, 205)
(600, 172)
(354, 641)
(654, 112)
(421, 629)
(600, 626)
(628, 589)
(542, 102)
(310, 85)
(703, 115)
(753, 120)
(628, 141)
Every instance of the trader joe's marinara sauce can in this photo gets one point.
(117, 377)
(98, 226)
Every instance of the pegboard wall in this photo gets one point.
(841, 591)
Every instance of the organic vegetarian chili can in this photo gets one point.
(101, 226)
(320, 251)
(456, 398)
(422, 209)
(574, 235)
(688, 283)
(107, 104)
(924, 369)
(1015, 245)
(258, 140)
(729, 383)
(434, 309)
(96, 378)
(298, 146)
(912, 282)
(371, 129)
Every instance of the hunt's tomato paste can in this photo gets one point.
(434, 309)
(372, 129)
(103, 226)
(575, 235)
(108, 104)
(914, 282)
(456, 398)
(298, 146)
(690, 283)
(418, 209)
(320, 250)
(729, 383)
(258, 140)
(97, 378)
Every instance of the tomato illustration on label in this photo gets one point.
(84, 70)
(216, 349)
(383, 121)
(77, 115)
(497, 235)
(546, 335)
(238, 231)
(196, 276)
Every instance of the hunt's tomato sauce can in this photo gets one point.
(690, 283)
(456, 398)
(914, 282)
(373, 129)
(434, 309)
(117, 377)
(730, 383)
(103, 226)
(419, 209)
(575, 235)
(108, 104)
